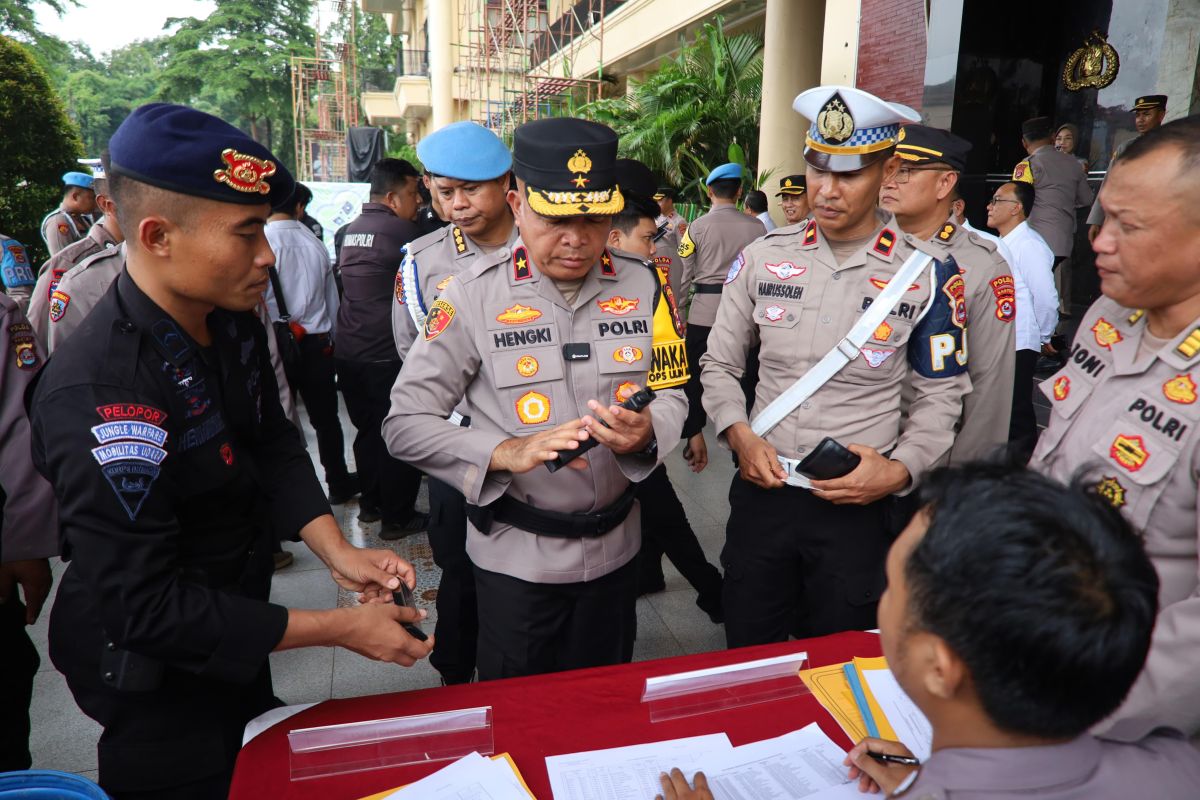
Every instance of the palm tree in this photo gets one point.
(698, 110)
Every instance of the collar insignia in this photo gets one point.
(521, 269)
(947, 232)
(885, 243)
(1107, 336)
(606, 266)
(810, 233)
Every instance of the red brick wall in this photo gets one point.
(891, 50)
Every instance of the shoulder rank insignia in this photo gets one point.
(521, 269)
(1191, 345)
(947, 232)
(810, 233)
(883, 245)
(1180, 389)
(606, 265)
(460, 243)
(1107, 335)
(1111, 490)
(1136, 315)
(244, 173)
(686, 245)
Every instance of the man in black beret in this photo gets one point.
(160, 428)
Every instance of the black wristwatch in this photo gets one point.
(650, 450)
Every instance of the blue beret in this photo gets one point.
(723, 172)
(80, 179)
(466, 151)
(190, 152)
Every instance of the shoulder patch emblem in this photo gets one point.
(947, 232)
(58, 305)
(1180, 389)
(785, 270)
(1062, 388)
(518, 315)
(63, 229)
(886, 241)
(527, 366)
(441, 314)
(521, 269)
(1106, 335)
(1004, 288)
(131, 411)
(533, 408)
(735, 268)
(1129, 452)
(1111, 490)
(686, 246)
(617, 305)
(130, 481)
(810, 233)
(875, 357)
(606, 265)
(956, 290)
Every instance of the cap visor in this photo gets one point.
(849, 163)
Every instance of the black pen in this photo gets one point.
(888, 758)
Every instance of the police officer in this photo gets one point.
(28, 536)
(103, 235)
(706, 250)
(159, 428)
(543, 340)
(1124, 413)
(799, 291)
(16, 274)
(70, 221)
(1148, 113)
(79, 291)
(469, 172)
(1059, 186)
(367, 364)
(920, 193)
(671, 226)
(793, 198)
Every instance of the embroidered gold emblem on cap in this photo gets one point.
(835, 123)
(245, 173)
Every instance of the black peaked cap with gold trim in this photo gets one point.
(920, 144)
(568, 166)
(793, 185)
(190, 152)
(1150, 101)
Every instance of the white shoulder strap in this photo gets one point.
(412, 295)
(844, 351)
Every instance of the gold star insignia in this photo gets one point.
(521, 263)
(580, 181)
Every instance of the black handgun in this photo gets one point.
(636, 402)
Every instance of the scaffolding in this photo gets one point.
(508, 45)
(324, 94)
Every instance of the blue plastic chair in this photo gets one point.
(48, 784)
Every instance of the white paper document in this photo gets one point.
(630, 773)
(910, 725)
(472, 777)
(803, 763)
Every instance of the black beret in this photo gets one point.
(1036, 128)
(190, 152)
(792, 185)
(568, 166)
(918, 144)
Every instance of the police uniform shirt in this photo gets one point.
(30, 526)
(991, 341)
(51, 274)
(16, 273)
(788, 293)
(1096, 215)
(369, 259)
(1060, 187)
(79, 291)
(429, 265)
(666, 255)
(1086, 768)
(167, 460)
(496, 337)
(61, 228)
(1130, 424)
(706, 250)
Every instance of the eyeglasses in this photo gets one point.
(905, 173)
(995, 200)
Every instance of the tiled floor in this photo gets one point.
(669, 623)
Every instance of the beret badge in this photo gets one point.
(244, 173)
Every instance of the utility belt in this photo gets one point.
(557, 524)
(709, 288)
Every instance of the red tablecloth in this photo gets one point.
(565, 712)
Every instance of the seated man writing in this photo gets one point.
(1017, 615)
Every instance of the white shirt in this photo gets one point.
(769, 223)
(1032, 267)
(305, 275)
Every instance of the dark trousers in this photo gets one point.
(534, 628)
(1022, 428)
(388, 484)
(19, 663)
(457, 628)
(797, 564)
(697, 345)
(315, 384)
(665, 530)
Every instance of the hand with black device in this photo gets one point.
(875, 477)
(624, 429)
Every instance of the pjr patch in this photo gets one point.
(1004, 288)
(1129, 451)
(518, 315)
(1106, 334)
(59, 301)
(785, 270)
(1062, 388)
(875, 358)
(441, 314)
(1180, 389)
(1111, 490)
(533, 408)
(618, 305)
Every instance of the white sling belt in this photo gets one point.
(842, 354)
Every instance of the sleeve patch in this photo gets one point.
(440, 316)
(1005, 291)
(25, 352)
(14, 266)
(59, 301)
(735, 268)
(686, 246)
(130, 481)
(1023, 173)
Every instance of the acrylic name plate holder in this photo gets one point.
(703, 691)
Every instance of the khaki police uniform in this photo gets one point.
(1130, 426)
(1060, 187)
(80, 291)
(787, 548)
(61, 228)
(496, 337)
(99, 238)
(1096, 215)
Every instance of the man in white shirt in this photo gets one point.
(756, 206)
(1032, 263)
(311, 297)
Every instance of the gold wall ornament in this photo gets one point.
(1093, 66)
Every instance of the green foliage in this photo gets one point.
(99, 94)
(398, 148)
(695, 112)
(40, 144)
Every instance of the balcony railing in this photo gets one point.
(412, 62)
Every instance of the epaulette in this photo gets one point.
(95, 258)
(489, 261)
(980, 241)
(428, 240)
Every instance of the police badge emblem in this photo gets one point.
(835, 123)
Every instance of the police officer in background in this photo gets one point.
(468, 173)
(16, 273)
(920, 193)
(1124, 411)
(706, 250)
(793, 198)
(1148, 113)
(799, 291)
(71, 220)
(173, 465)
(543, 341)
(28, 536)
(671, 226)
(367, 364)
(1059, 187)
(79, 291)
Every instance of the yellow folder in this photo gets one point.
(829, 686)
(512, 765)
